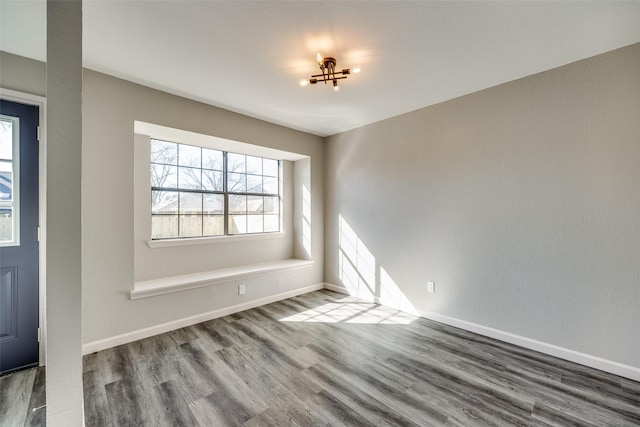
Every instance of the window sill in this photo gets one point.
(150, 288)
(165, 243)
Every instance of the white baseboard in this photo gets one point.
(610, 366)
(117, 340)
(334, 288)
(605, 365)
(616, 368)
(345, 291)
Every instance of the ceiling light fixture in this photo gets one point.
(327, 66)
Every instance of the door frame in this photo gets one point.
(41, 103)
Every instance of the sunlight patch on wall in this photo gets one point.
(362, 277)
(356, 264)
(392, 296)
(306, 220)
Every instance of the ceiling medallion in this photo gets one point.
(329, 74)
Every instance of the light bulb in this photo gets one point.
(304, 82)
(336, 88)
(356, 70)
(320, 58)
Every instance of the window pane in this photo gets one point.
(271, 223)
(190, 203)
(254, 224)
(254, 184)
(189, 178)
(164, 202)
(270, 167)
(237, 224)
(213, 204)
(212, 180)
(213, 225)
(6, 182)
(203, 180)
(6, 139)
(188, 155)
(212, 159)
(255, 204)
(6, 222)
(236, 183)
(164, 226)
(164, 152)
(236, 163)
(254, 165)
(271, 205)
(237, 204)
(271, 185)
(164, 176)
(190, 225)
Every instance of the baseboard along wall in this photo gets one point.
(599, 363)
(128, 337)
(605, 365)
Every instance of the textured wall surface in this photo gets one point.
(109, 244)
(520, 202)
(23, 74)
(64, 153)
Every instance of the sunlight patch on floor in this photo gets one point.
(352, 312)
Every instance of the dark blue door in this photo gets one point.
(18, 236)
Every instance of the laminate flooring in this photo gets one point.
(324, 359)
(22, 398)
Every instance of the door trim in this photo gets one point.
(41, 103)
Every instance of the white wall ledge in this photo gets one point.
(165, 285)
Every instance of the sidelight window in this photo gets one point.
(9, 188)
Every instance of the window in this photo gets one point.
(9, 175)
(198, 192)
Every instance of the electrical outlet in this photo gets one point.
(431, 287)
(240, 289)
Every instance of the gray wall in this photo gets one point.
(64, 215)
(23, 74)
(521, 202)
(110, 107)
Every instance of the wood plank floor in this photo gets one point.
(22, 398)
(326, 359)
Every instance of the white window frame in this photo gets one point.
(225, 192)
(144, 131)
(15, 181)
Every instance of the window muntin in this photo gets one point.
(201, 192)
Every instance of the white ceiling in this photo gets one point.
(249, 56)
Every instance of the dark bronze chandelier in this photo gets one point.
(327, 66)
